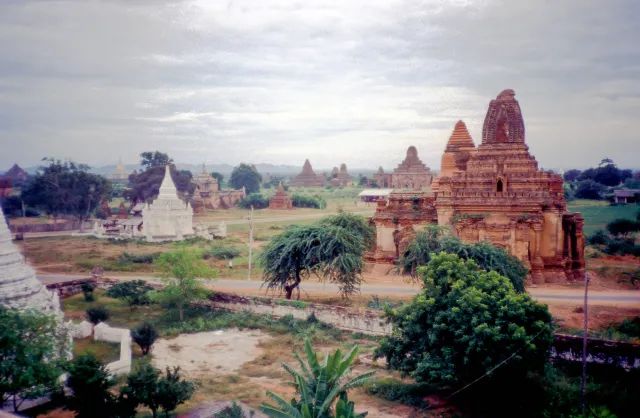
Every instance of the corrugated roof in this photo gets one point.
(375, 192)
(626, 193)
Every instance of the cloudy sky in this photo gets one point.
(278, 81)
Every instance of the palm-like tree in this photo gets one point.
(319, 384)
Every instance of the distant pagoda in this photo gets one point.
(307, 178)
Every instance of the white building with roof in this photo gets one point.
(168, 218)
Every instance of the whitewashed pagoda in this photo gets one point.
(168, 218)
(19, 287)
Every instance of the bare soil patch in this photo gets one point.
(207, 352)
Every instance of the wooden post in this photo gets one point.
(250, 241)
(583, 394)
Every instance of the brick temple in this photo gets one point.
(411, 173)
(494, 193)
(307, 178)
(280, 200)
(208, 195)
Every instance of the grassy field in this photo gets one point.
(597, 214)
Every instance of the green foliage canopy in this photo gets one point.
(66, 188)
(154, 159)
(589, 189)
(145, 186)
(245, 176)
(180, 270)
(330, 252)
(256, 200)
(434, 239)
(31, 344)
(463, 324)
(91, 385)
(623, 227)
(144, 335)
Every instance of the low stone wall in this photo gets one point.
(60, 226)
(567, 347)
(103, 332)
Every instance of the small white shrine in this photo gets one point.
(168, 218)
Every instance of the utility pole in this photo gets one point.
(583, 391)
(250, 241)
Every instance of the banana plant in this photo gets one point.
(319, 384)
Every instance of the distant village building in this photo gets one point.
(168, 218)
(307, 178)
(280, 200)
(208, 195)
(627, 196)
(120, 175)
(374, 195)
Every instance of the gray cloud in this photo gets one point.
(277, 81)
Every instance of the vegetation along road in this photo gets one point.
(541, 294)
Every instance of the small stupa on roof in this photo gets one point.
(168, 218)
(19, 287)
(458, 151)
(280, 200)
(307, 178)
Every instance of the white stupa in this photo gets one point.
(19, 287)
(168, 218)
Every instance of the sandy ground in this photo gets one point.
(224, 351)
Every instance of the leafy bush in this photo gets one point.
(256, 200)
(304, 201)
(87, 291)
(622, 246)
(233, 411)
(589, 189)
(410, 394)
(126, 258)
(97, 314)
(144, 335)
(623, 227)
(135, 292)
(222, 253)
(377, 303)
(630, 327)
(600, 237)
(463, 325)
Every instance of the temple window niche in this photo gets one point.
(500, 186)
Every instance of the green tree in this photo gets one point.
(135, 292)
(355, 224)
(467, 324)
(149, 388)
(589, 189)
(434, 239)
(364, 181)
(154, 159)
(623, 227)
(145, 186)
(572, 175)
(97, 314)
(219, 177)
(180, 271)
(256, 200)
(91, 385)
(245, 176)
(330, 252)
(66, 188)
(87, 291)
(31, 344)
(319, 385)
(144, 335)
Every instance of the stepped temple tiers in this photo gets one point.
(496, 194)
(208, 195)
(280, 200)
(120, 175)
(168, 218)
(19, 287)
(307, 178)
(379, 178)
(411, 173)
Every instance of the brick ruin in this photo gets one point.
(280, 200)
(494, 193)
(208, 195)
(411, 173)
(307, 178)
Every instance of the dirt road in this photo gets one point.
(398, 287)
